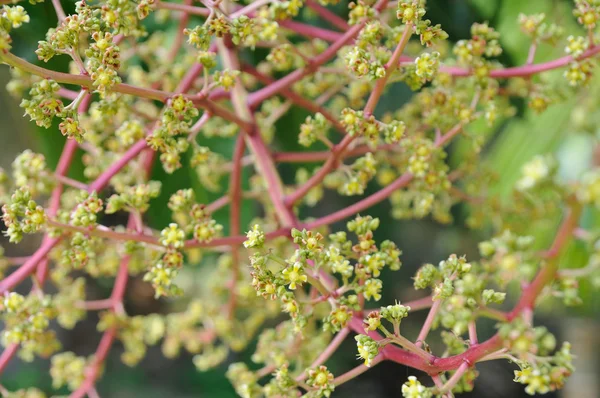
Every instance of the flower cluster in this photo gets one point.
(22, 215)
(175, 121)
(27, 320)
(235, 99)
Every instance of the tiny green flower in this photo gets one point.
(294, 275)
(172, 236)
(368, 348)
(373, 289)
(414, 389)
(255, 238)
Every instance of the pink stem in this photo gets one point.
(250, 8)
(328, 15)
(203, 12)
(20, 274)
(123, 88)
(316, 179)
(311, 31)
(390, 68)
(301, 157)
(235, 192)
(267, 169)
(365, 203)
(217, 204)
(263, 160)
(331, 348)
(94, 369)
(116, 298)
(419, 304)
(531, 53)
(524, 70)
(183, 21)
(16, 260)
(455, 378)
(298, 99)
(444, 139)
(97, 305)
(428, 322)
(104, 178)
(473, 332)
(7, 355)
(326, 220)
(60, 13)
(357, 371)
(66, 93)
(548, 273)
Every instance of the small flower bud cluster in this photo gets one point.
(483, 42)
(410, 11)
(43, 103)
(525, 341)
(589, 190)
(368, 348)
(135, 198)
(414, 389)
(193, 217)
(226, 78)
(68, 369)
(313, 254)
(353, 180)
(537, 28)
(426, 65)
(429, 191)
(579, 73)
(103, 62)
(587, 13)
(67, 303)
(247, 31)
(322, 380)
(359, 11)
(30, 171)
(576, 46)
(11, 17)
(80, 253)
(537, 172)
(357, 124)
(509, 256)
(27, 320)
(243, 380)
(361, 63)
(313, 196)
(546, 375)
(313, 129)
(460, 287)
(283, 57)
(392, 313)
(22, 215)
(176, 120)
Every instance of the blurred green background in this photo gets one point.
(517, 141)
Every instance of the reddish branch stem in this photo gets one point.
(328, 15)
(524, 70)
(298, 99)
(235, 192)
